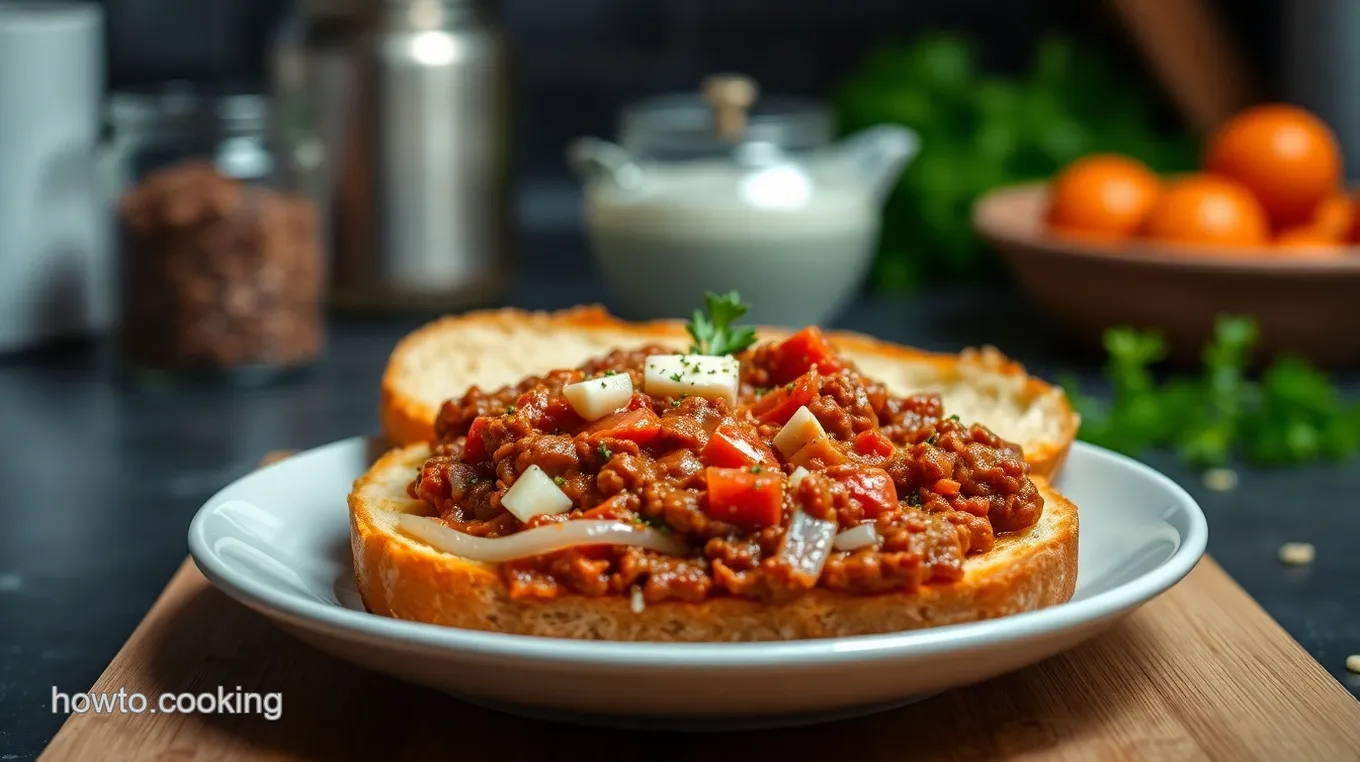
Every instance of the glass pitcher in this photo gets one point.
(718, 191)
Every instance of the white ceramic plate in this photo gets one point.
(278, 541)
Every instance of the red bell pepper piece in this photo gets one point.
(947, 487)
(871, 442)
(744, 499)
(802, 351)
(641, 426)
(821, 451)
(731, 447)
(873, 488)
(779, 405)
(475, 449)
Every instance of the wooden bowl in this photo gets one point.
(1305, 303)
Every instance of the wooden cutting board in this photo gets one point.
(1202, 672)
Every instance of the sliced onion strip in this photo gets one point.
(856, 537)
(536, 541)
(806, 545)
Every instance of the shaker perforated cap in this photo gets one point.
(677, 125)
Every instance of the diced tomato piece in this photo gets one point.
(731, 447)
(821, 451)
(947, 487)
(872, 442)
(638, 401)
(532, 402)
(873, 488)
(639, 426)
(744, 499)
(544, 411)
(800, 352)
(779, 405)
(475, 449)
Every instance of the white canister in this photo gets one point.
(55, 225)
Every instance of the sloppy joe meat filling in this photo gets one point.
(934, 488)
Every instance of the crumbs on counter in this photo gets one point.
(218, 273)
(1297, 553)
(1220, 479)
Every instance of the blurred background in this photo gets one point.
(997, 92)
(578, 61)
(431, 136)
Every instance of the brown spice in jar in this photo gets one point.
(219, 273)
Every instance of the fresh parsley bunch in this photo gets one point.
(1293, 414)
(980, 131)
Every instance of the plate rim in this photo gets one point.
(352, 625)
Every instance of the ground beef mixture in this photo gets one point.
(934, 488)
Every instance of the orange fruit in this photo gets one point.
(1334, 217)
(1285, 155)
(1102, 195)
(1207, 209)
(1308, 240)
(1305, 237)
(1329, 227)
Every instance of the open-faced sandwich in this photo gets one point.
(572, 475)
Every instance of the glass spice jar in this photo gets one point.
(222, 266)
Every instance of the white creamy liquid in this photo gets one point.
(796, 251)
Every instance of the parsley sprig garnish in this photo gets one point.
(714, 334)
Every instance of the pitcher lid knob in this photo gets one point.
(729, 96)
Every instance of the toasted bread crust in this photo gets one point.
(406, 579)
(408, 418)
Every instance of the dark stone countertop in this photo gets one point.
(100, 481)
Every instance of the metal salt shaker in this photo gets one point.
(409, 98)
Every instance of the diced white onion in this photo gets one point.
(534, 494)
(806, 545)
(796, 477)
(536, 541)
(710, 376)
(595, 398)
(802, 428)
(856, 537)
